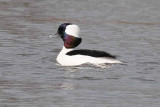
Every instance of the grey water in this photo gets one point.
(31, 77)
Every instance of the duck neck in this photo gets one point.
(65, 50)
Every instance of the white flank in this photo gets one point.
(74, 60)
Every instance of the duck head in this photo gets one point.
(70, 35)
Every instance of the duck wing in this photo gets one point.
(92, 53)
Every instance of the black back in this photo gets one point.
(93, 53)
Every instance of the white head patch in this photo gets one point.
(72, 30)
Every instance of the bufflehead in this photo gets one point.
(69, 56)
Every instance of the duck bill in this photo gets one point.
(53, 35)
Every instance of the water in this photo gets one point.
(30, 76)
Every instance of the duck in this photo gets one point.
(71, 56)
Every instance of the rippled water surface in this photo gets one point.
(30, 76)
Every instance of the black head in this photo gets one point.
(62, 28)
(69, 34)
